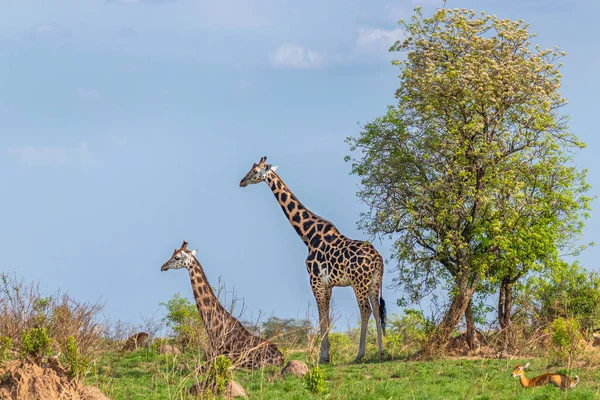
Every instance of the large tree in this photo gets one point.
(470, 172)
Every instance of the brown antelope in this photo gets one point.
(560, 380)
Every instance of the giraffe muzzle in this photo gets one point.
(243, 184)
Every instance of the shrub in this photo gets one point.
(78, 364)
(340, 344)
(23, 308)
(218, 374)
(569, 291)
(413, 327)
(183, 318)
(567, 342)
(35, 344)
(315, 380)
(6, 346)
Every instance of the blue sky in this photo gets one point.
(126, 126)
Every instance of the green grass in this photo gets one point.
(146, 375)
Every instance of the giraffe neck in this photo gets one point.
(308, 225)
(208, 304)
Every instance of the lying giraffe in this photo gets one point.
(333, 260)
(226, 335)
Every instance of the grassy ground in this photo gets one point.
(146, 375)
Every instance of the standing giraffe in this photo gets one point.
(333, 260)
(226, 335)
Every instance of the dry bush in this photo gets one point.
(79, 320)
(23, 309)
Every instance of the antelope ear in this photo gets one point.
(526, 365)
(274, 168)
(194, 252)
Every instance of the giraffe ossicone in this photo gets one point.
(226, 335)
(333, 260)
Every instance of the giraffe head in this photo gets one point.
(181, 258)
(258, 172)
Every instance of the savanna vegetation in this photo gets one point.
(470, 177)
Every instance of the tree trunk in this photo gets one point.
(501, 295)
(471, 336)
(457, 309)
(505, 299)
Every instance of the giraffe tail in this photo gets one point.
(382, 310)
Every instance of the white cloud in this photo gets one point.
(294, 56)
(374, 40)
(88, 94)
(44, 156)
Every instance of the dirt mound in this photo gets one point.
(296, 368)
(92, 393)
(24, 380)
(458, 346)
(461, 340)
(232, 390)
(135, 341)
(168, 349)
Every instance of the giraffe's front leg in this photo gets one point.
(322, 296)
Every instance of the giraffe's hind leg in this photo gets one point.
(365, 313)
(377, 315)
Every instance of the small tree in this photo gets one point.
(35, 344)
(183, 317)
(78, 363)
(471, 168)
(567, 340)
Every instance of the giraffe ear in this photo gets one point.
(194, 252)
(274, 168)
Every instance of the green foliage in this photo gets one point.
(35, 343)
(471, 172)
(412, 329)
(78, 363)
(179, 310)
(564, 291)
(183, 317)
(315, 380)
(6, 346)
(567, 340)
(41, 307)
(218, 374)
(340, 345)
